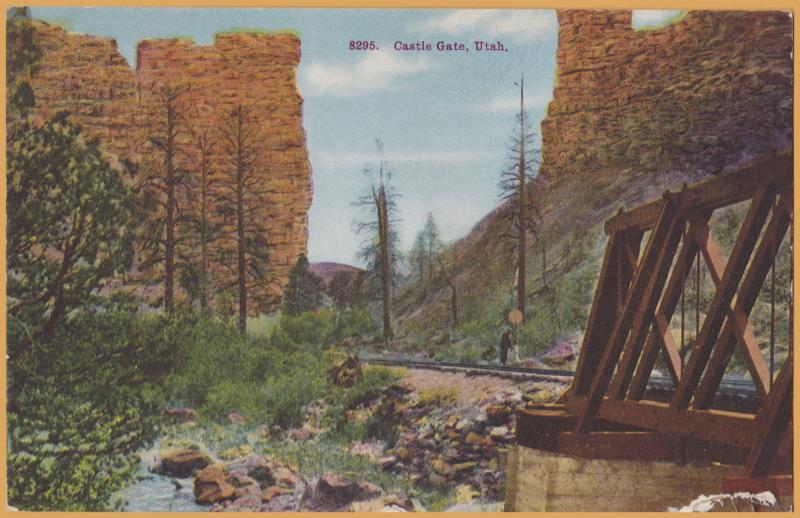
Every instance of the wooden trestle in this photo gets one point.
(605, 413)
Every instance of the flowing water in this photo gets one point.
(151, 492)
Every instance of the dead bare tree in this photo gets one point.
(379, 250)
(243, 195)
(514, 185)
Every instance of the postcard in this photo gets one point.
(407, 260)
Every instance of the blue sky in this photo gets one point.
(444, 118)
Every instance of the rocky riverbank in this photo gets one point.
(434, 441)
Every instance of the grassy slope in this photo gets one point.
(573, 212)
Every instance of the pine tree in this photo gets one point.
(514, 188)
(304, 291)
(243, 193)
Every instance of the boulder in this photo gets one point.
(346, 372)
(211, 485)
(254, 466)
(271, 492)
(182, 462)
(333, 493)
(496, 414)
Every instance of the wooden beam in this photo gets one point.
(646, 446)
(719, 192)
(715, 426)
(640, 302)
(601, 317)
(612, 280)
(772, 421)
(632, 355)
(720, 304)
(745, 300)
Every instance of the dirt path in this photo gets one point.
(470, 388)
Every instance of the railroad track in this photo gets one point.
(740, 388)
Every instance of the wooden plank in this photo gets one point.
(647, 447)
(646, 363)
(633, 354)
(736, 317)
(715, 426)
(601, 318)
(720, 304)
(640, 303)
(719, 192)
(745, 300)
(772, 420)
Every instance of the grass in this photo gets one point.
(262, 325)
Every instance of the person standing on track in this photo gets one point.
(505, 345)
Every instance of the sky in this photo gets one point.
(445, 118)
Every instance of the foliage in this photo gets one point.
(304, 291)
(349, 289)
(22, 59)
(424, 255)
(74, 432)
(71, 224)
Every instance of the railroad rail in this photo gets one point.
(742, 388)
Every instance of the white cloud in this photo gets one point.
(523, 25)
(374, 72)
(650, 17)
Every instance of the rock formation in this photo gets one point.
(708, 93)
(89, 78)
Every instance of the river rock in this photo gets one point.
(254, 466)
(211, 485)
(181, 462)
(333, 493)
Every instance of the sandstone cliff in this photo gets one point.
(122, 108)
(707, 93)
(634, 113)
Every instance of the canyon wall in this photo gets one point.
(707, 93)
(126, 111)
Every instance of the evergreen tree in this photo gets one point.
(514, 188)
(304, 291)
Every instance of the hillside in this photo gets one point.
(633, 114)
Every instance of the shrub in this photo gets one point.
(73, 431)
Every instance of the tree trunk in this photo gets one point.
(204, 226)
(240, 230)
(383, 238)
(521, 214)
(169, 239)
(544, 260)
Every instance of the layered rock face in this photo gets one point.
(124, 109)
(705, 94)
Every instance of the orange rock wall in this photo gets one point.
(88, 77)
(709, 92)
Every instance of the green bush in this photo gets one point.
(83, 403)
(311, 328)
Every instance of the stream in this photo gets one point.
(152, 492)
